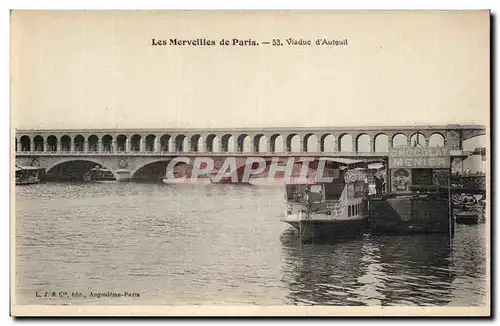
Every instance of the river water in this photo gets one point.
(221, 244)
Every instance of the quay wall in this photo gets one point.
(410, 214)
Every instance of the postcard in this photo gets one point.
(250, 163)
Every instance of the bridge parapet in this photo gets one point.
(469, 182)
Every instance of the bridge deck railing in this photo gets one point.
(173, 153)
(469, 182)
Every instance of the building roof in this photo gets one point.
(342, 160)
(375, 166)
(19, 168)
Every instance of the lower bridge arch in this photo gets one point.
(155, 169)
(75, 168)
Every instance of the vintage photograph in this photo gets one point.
(250, 163)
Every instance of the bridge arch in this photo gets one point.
(273, 140)
(107, 143)
(150, 141)
(65, 143)
(417, 139)
(25, 143)
(155, 168)
(39, 143)
(243, 143)
(79, 141)
(363, 142)
(475, 142)
(399, 140)
(135, 143)
(121, 143)
(165, 143)
(381, 143)
(346, 143)
(93, 141)
(259, 143)
(227, 143)
(211, 143)
(149, 162)
(437, 139)
(94, 161)
(195, 143)
(327, 143)
(291, 140)
(311, 143)
(51, 143)
(179, 143)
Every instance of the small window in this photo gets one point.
(349, 211)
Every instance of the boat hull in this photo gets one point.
(26, 182)
(466, 218)
(328, 229)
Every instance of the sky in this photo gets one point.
(100, 70)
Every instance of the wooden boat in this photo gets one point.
(329, 210)
(466, 217)
(227, 178)
(99, 174)
(27, 175)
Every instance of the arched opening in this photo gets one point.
(154, 171)
(473, 143)
(179, 143)
(65, 143)
(417, 140)
(121, 143)
(381, 143)
(477, 162)
(25, 144)
(363, 144)
(165, 143)
(293, 143)
(79, 170)
(195, 143)
(345, 142)
(436, 140)
(107, 144)
(311, 143)
(93, 140)
(227, 143)
(52, 143)
(327, 143)
(244, 143)
(212, 143)
(150, 143)
(79, 141)
(399, 140)
(38, 140)
(276, 144)
(135, 143)
(259, 143)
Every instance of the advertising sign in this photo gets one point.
(419, 158)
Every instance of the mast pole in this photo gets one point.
(450, 208)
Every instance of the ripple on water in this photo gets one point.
(224, 245)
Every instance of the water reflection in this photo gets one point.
(325, 274)
(220, 244)
(381, 270)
